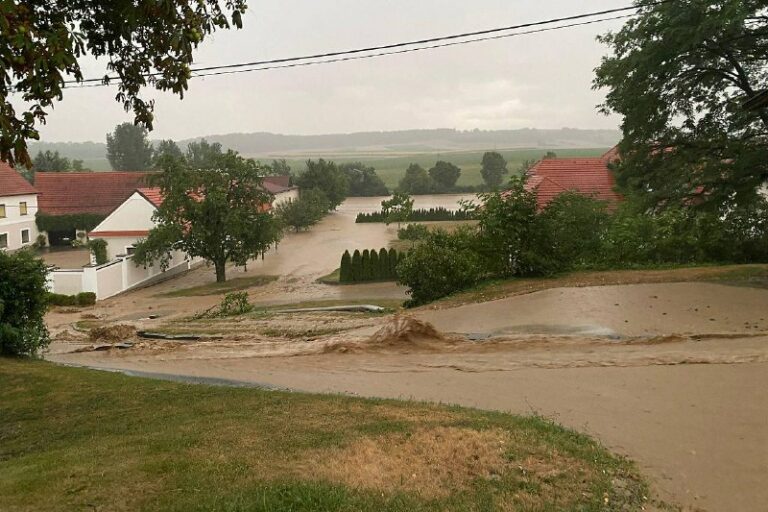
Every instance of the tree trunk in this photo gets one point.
(221, 271)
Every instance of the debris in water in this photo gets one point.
(112, 333)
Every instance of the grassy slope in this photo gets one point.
(392, 168)
(75, 439)
(736, 275)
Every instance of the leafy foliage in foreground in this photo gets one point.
(23, 302)
(144, 43)
(679, 74)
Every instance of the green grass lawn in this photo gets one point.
(392, 168)
(77, 439)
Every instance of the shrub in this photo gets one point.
(22, 304)
(58, 299)
(357, 267)
(366, 266)
(439, 266)
(413, 232)
(345, 269)
(393, 261)
(86, 299)
(384, 264)
(235, 303)
(422, 215)
(375, 275)
(98, 247)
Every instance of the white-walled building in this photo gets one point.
(280, 188)
(18, 206)
(129, 222)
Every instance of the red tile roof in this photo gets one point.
(276, 184)
(589, 176)
(64, 193)
(12, 183)
(153, 195)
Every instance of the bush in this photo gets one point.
(441, 265)
(357, 267)
(86, 299)
(422, 215)
(345, 269)
(234, 304)
(22, 304)
(58, 299)
(413, 232)
(366, 266)
(98, 247)
(393, 261)
(384, 264)
(374, 274)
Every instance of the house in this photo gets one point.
(79, 200)
(18, 205)
(551, 177)
(281, 189)
(129, 222)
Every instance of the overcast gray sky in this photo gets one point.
(539, 81)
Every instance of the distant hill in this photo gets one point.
(262, 144)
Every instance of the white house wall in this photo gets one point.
(134, 215)
(288, 195)
(14, 223)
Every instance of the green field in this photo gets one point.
(77, 439)
(392, 168)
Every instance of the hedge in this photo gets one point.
(369, 265)
(81, 299)
(433, 214)
(71, 222)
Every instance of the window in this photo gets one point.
(23, 208)
(130, 249)
(3, 240)
(25, 236)
(2, 211)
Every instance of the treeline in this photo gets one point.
(514, 238)
(369, 265)
(420, 215)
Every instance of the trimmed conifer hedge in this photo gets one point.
(433, 214)
(369, 265)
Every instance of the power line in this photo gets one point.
(99, 81)
(407, 50)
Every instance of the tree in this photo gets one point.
(494, 167)
(375, 274)
(326, 176)
(77, 165)
(445, 175)
(510, 233)
(398, 208)
(345, 269)
(366, 265)
(216, 214)
(393, 260)
(416, 181)
(145, 44)
(304, 212)
(363, 180)
(128, 148)
(166, 149)
(678, 74)
(383, 263)
(280, 168)
(51, 161)
(549, 154)
(357, 266)
(22, 304)
(203, 154)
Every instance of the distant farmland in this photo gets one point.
(392, 168)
